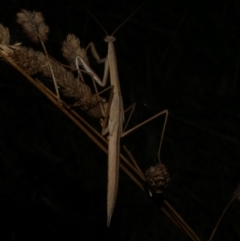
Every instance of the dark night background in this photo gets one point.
(171, 54)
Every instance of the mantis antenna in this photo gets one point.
(120, 24)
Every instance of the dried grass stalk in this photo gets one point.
(4, 35)
(34, 62)
(71, 49)
(33, 25)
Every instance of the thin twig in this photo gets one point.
(134, 162)
(182, 223)
(220, 218)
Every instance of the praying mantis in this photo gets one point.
(114, 115)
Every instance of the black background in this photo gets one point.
(171, 54)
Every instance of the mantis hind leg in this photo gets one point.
(164, 112)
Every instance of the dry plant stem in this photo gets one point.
(35, 28)
(172, 218)
(140, 173)
(51, 70)
(167, 209)
(181, 223)
(4, 35)
(80, 120)
(176, 222)
(51, 97)
(33, 62)
(220, 218)
(75, 118)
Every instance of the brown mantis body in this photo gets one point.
(115, 121)
(114, 115)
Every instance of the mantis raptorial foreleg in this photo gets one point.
(81, 62)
